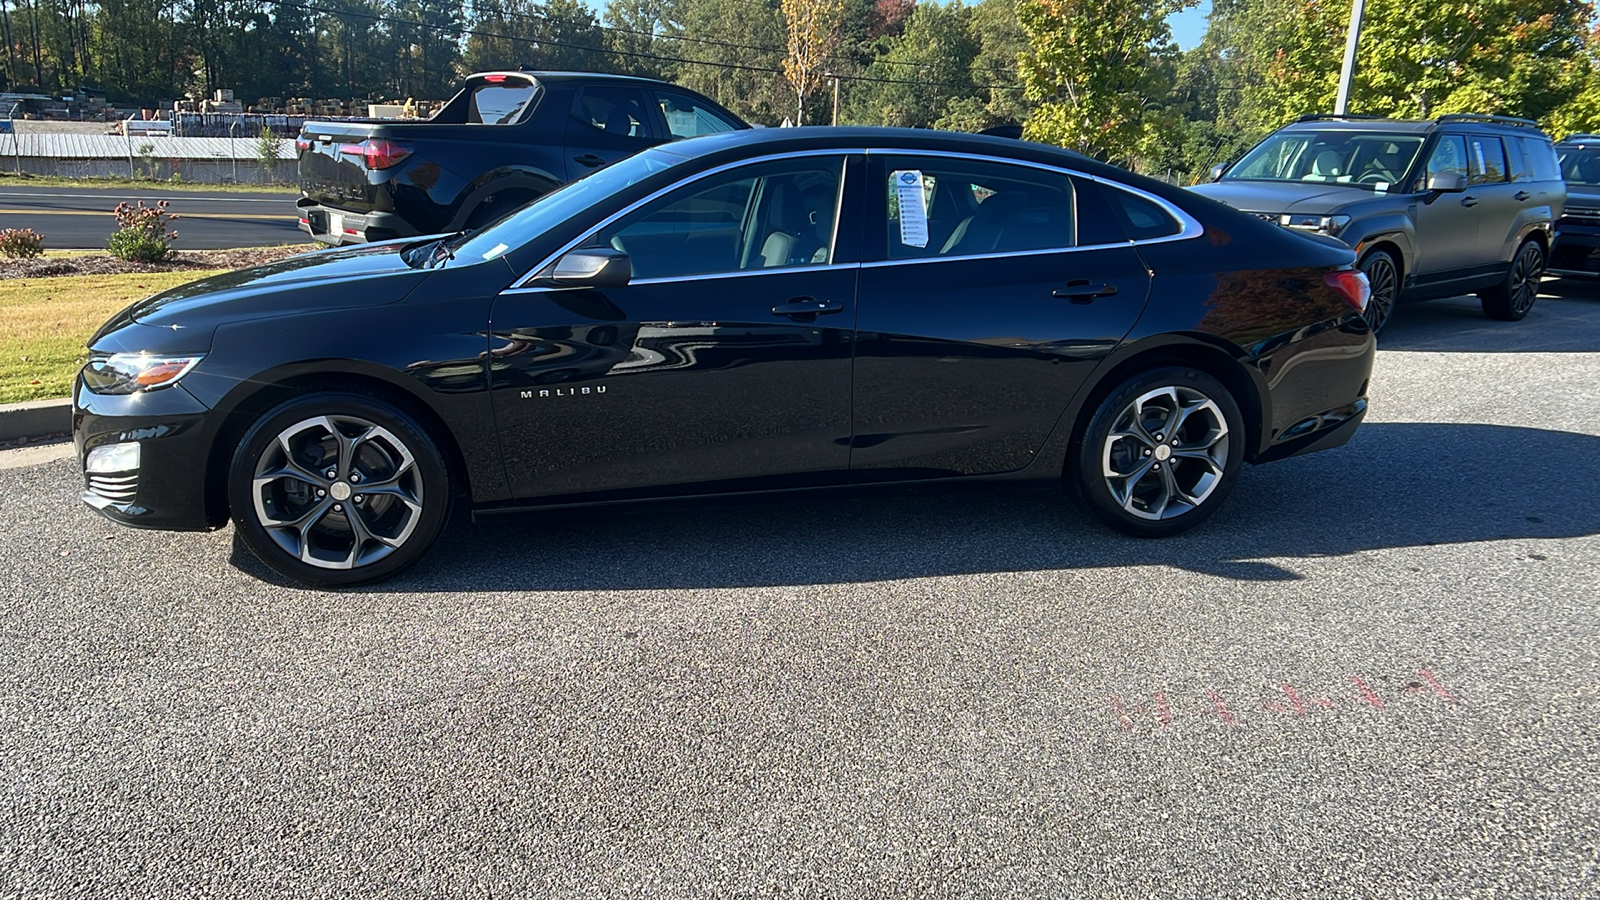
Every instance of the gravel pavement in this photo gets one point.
(1373, 674)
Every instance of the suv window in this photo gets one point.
(688, 117)
(1541, 159)
(614, 110)
(764, 216)
(1449, 155)
(971, 207)
(1517, 170)
(1339, 156)
(1487, 159)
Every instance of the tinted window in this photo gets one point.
(613, 110)
(687, 117)
(1449, 155)
(764, 216)
(970, 207)
(1141, 218)
(1486, 159)
(500, 104)
(1374, 160)
(1516, 164)
(1541, 159)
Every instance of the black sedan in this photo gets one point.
(759, 310)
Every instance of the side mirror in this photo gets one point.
(1448, 182)
(600, 267)
(1217, 170)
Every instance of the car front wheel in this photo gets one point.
(1513, 298)
(1161, 452)
(1384, 277)
(338, 489)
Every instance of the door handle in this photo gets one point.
(589, 159)
(807, 308)
(1082, 291)
(1469, 201)
(1523, 195)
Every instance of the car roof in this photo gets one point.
(1385, 125)
(867, 137)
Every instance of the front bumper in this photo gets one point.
(168, 488)
(337, 226)
(1576, 250)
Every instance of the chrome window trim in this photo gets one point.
(843, 154)
(1190, 228)
(678, 279)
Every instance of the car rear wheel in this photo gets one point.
(1384, 277)
(1161, 452)
(1513, 298)
(338, 489)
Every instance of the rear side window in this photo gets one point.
(502, 103)
(1516, 164)
(1541, 158)
(1141, 219)
(1487, 159)
(616, 111)
(948, 208)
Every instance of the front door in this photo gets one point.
(985, 309)
(1447, 223)
(723, 365)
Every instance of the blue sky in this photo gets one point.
(1189, 26)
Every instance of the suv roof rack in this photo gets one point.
(1584, 137)
(1484, 117)
(1318, 117)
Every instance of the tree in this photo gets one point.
(735, 54)
(1100, 72)
(997, 95)
(813, 33)
(924, 69)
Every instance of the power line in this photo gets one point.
(477, 32)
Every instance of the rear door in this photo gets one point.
(608, 122)
(991, 291)
(1499, 209)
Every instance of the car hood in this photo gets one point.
(1314, 197)
(309, 281)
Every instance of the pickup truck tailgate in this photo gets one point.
(333, 167)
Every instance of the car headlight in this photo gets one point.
(130, 373)
(1323, 224)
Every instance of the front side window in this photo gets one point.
(763, 216)
(1579, 165)
(1344, 157)
(1449, 155)
(947, 208)
(688, 117)
(1487, 159)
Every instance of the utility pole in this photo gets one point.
(835, 95)
(1342, 104)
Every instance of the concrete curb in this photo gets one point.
(35, 419)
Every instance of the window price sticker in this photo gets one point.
(913, 207)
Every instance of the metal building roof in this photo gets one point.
(116, 146)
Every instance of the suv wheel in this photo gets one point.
(1161, 452)
(1513, 298)
(1384, 276)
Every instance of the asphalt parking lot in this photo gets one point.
(1375, 673)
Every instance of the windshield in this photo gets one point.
(1376, 161)
(1581, 165)
(561, 204)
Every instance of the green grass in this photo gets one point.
(12, 179)
(45, 324)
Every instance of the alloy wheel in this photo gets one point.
(1525, 279)
(1166, 453)
(1385, 285)
(337, 491)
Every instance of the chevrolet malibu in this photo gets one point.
(776, 309)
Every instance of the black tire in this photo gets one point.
(1383, 273)
(1512, 299)
(380, 511)
(1210, 442)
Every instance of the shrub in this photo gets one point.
(21, 243)
(142, 234)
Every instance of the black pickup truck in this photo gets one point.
(504, 140)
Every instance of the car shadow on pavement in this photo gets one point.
(1566, 319)
(1395, 485)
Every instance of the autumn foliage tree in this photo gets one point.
(1099, 71)
(813, 33)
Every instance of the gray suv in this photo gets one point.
(1460, 204)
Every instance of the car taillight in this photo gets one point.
(1352, 285)
(377, 153)
(302, 144)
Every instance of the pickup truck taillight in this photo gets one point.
(302, 143)
(377, 153)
